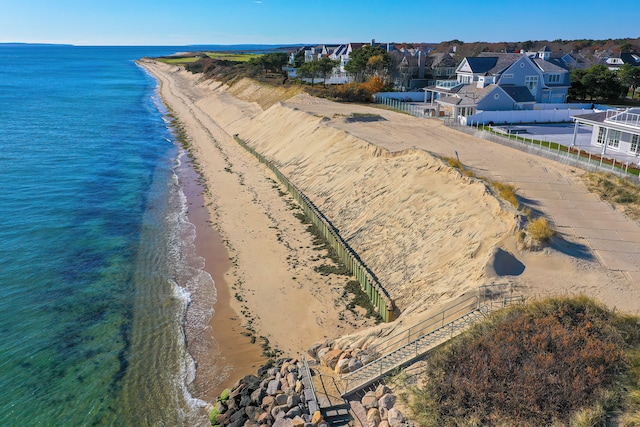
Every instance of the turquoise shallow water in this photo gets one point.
(94, 243)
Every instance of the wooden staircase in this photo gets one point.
(415, 342)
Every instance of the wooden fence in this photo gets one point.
(368, 282)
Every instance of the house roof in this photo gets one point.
(468, 94)
(440, 59)
(592, 117)
(577, 60)
(550, 65)
(503, 60)
(481, 65)
(632, 58)
(519, 93)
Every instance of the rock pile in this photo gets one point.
(341, 361)
(379, 409)
(376, 408)
(276, 397)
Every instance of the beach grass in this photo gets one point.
(618, 191)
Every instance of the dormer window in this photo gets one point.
(554, 78)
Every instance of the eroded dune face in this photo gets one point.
(426, 231)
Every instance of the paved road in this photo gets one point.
(556, 191)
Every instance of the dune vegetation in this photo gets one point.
(556, 362)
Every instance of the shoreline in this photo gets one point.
(227, 354)
(260, 255)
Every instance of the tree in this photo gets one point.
(577, 89)
(326, 66)
(310, 70)
(298, 59)
(362, 65)
(596, 83)
(629, 77)
(270, 62)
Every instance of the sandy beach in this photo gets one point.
(429, 233)
(260, 255)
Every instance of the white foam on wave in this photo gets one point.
(192, 285)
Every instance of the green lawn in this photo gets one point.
(178, 60)
(238, 57)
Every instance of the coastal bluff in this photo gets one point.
(424, 229)
(429, 233)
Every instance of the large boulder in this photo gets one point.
(251, 381)
(279, 411)
(373, 417)
(369, 400)
(268, 402)
(273, 387)
(258, 395)
(331, 358)
(322, 351)
(387, 401)
(265, 418)
(313, 350)
(381, 390)
(342, 367)
(316, 418)
(294, 412)
(395, 417)
(283, 422)
(237, 391)
(292, 378)
(293, 400)
(298, 422)
(354, 364)
(281, 399)
(253, 412)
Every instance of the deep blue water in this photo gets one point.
(92, 242)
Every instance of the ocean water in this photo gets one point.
(95, 245)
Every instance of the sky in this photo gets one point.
(185, 22)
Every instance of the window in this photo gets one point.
(554, 78)
(613, 138)
(531, 82)
(601, 135)
(507, 76)
(635, 144)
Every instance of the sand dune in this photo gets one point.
(427, 232)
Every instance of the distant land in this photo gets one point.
(33, 44)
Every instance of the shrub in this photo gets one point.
(538, 364)
(540, 230)
(358, 92)
(351, 92)
(373, 85)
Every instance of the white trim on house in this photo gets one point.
(616, 130)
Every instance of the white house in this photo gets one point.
(502, 81)
(614, 130)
